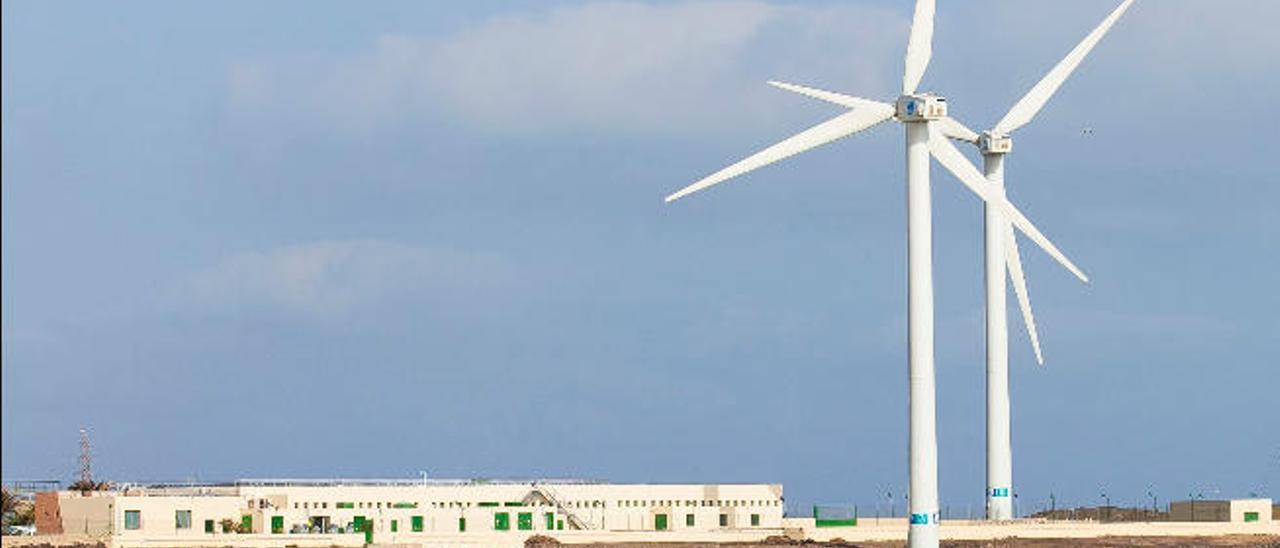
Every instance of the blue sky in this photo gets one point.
(290, 239)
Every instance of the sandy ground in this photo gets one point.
(1109, 542)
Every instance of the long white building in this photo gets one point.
(346, 512)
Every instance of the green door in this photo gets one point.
(277, 524)
(246, 523)
(660, 522)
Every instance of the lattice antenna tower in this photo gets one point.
(86, 459)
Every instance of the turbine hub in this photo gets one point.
(921, 107)
(991, 142)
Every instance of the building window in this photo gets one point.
(208, 526)
(132, 519)
(724, 520)
(182, 519)
(755, 520)
(660, 522)
(277, 525)
(416, 523)
(524, 521)
(688, 520)
(462, 525)
(395, 526)
(501, 521)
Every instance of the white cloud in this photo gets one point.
(333, 279)
(692, 66)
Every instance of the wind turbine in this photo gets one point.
(1001, 255)
(925, 116)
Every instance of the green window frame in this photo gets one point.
(415, 523)
(551, 521)
(755, 520)
(246, 523)
(660, 522)
(1250, 517)
(501, 521)
(524, 521)
(559, 525)
(462, 525)
(208, 526)
(182, 519)
(133, 519)
(277, 525)
(689, 520)
(395, 526)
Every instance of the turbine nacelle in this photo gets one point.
(920, 107)
(993, 142)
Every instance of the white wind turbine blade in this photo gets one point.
(953, 129)
(841, 126)
(829, 96)
(1014, 261)
(955, 162)
(919, 46)
(1027, 108)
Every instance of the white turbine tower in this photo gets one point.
(925, 117)
(1001, 255)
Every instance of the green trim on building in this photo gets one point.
(487, 504)
(501, 521)
(405, 505)
(277, 525)
(415, 523)
(513, 504)
(524, 521)
(551, 521)
(1250, 517)
(344, 505)
(660, 522)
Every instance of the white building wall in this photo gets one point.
(1261, 507)
(603, 507)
